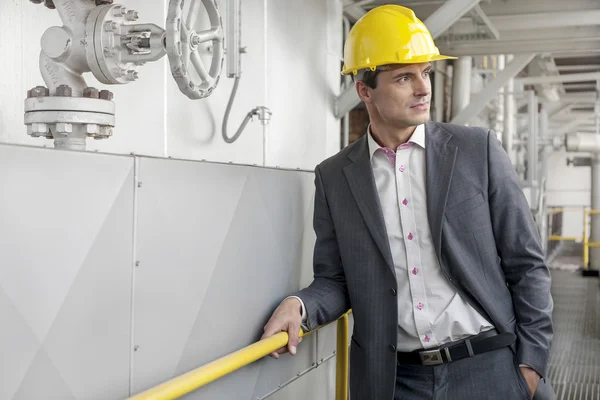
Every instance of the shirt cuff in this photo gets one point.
(302, 312)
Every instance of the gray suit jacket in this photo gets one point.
(484, 235)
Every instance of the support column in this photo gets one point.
(532, 148)
(500, 114)
(595, 218)
(461, 86)
(510, 122)
(543, 176)
(438, 87)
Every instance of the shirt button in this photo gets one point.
(393, 291)
(392, 347)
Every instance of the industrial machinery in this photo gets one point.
(105, 39)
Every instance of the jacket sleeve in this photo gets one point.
(518, 243)
(326, 299)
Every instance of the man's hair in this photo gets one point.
(368, 77)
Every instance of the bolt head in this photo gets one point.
(91, 129)
(39, 128)
(91, 93)
(49, 4)
(105, 132)
(103, 2)
(37, 1)
(39, 91)
(106, 95)
(64, 127)
(64, 91)
(119, 12)
(132, 75)
(132, 15)
(111, 26)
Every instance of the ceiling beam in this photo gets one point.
(481, 99)
(490, 47)
(541, 20)
(578, 68)
(450, 12)
(445, 16)
(487, 22)
(536, 80)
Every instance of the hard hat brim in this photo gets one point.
(414, 60)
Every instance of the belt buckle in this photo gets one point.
(431, 357)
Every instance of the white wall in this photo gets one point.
(568, 186)
(292, 67)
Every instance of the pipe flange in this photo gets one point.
(65, 117)
(183, 47)
(108, 25)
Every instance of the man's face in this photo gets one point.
(402, 95)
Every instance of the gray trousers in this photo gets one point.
(488, 376)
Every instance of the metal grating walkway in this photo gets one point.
(575, 356)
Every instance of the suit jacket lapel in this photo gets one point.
(440, 157)
(362, 184)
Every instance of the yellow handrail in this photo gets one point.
(587, 213)
(195, 379)
(341, 359)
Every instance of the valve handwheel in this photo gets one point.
(183, 45)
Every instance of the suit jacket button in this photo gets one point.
(392, 347)
(393, 291)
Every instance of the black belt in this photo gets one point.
(482, 343)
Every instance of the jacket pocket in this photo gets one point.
(464, 206)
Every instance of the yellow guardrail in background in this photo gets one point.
(195, 379)
(585, 238)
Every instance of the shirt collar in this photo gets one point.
(418, 138)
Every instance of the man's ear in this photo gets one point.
(364, 91)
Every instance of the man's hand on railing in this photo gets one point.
(287, 317)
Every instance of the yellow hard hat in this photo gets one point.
(388, 34)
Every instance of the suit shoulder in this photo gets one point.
(465, 132)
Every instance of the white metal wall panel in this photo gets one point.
(66, 228)
(219, 246)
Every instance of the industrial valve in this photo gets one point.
(104, 38)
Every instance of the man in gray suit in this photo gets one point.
(422, 229)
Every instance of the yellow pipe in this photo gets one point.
(556, 237)
(341, 355)
(586, 249)
(195, 379)
(210, 372)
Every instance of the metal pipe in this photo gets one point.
(72, 62)
(543, 176)
(347, 84)
(508, 133)
(583, 142)
(532, 147)
(439, 86)
(341, 368)
(234, 18)
(461, 93)
(500, 115)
